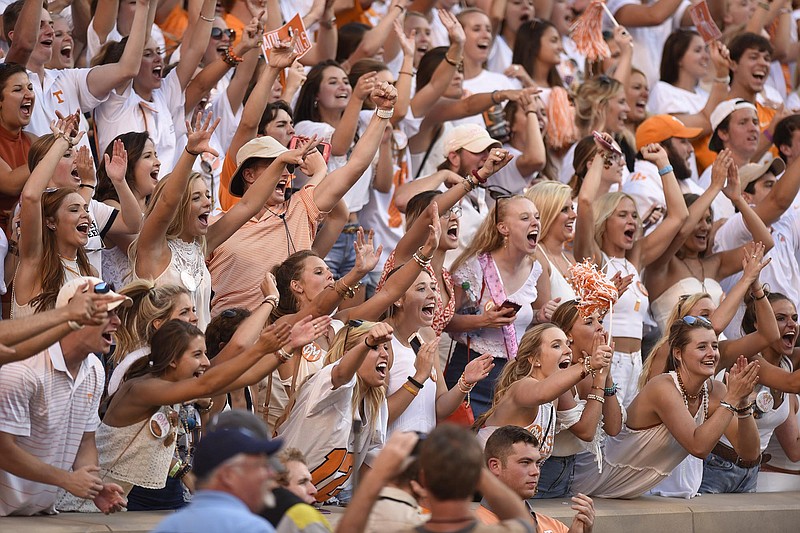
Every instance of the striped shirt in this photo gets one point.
(239, 265)
(48, 411)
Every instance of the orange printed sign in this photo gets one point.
(705, 25)
(286, 33)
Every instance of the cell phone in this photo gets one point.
(508, 304)
(323, 147)
(416, 342)
(604, 143)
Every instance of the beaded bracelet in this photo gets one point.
(596, 398)
(729, 407)
(231, 58)
(587, 368)
(463, 386)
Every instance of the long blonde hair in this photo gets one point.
(372, 397)
(488, 238)
(549, 198)
(178, 222)
(530, 349)
(681, 309)
(604, 208)
(591, 100)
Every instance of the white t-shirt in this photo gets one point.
(93, 44)
(509, 176)
(103, 216)
(649, 41)
(485, 82)
(162, 118)
(65, 91)
(782, 274)
(321, 426)
(48, 411)
(668, 99)
(500, 56)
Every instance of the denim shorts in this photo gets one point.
(342, 257)
(555, 479)
(721, 476)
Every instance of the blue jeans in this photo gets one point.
(342, 257)
(555, 479)
(721, 476)
(481, 396)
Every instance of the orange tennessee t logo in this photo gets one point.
(58, 94)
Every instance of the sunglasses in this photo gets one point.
(217, 33)
(454, 212)
(498, 193)
(103, 288)
(351, 325)
(693, 320)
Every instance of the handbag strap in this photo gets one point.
(497, 292)
(428, 151)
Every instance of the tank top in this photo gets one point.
(662, 306)
(71, 271)
(420, 415)
(543, 428)
(559, 286)
(635, 461)
(631, 309)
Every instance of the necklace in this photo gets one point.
(702, 278)
(188, 262)
(687, 397)
(68, 264)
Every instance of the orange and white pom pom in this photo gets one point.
(587, 32)
(595, 291)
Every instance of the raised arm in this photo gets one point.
(375, 37)
(585, 245)
(530, 393)
(31, 251)
(102, 79)
(146, 393)
(192, 53)
(425, 98)
(206, 79)
(334, 186)
(641, 15)
(130, 220)
(401, 280)
(767, 331)
(152, 251)
(25, 34)
(345, 132)
(652, 246)
(756, 227)
(418, 232)
(698, 209)
(105, 18)
(780, 198)
(752, 265)
(534, 155)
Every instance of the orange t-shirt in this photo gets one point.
(545, 524)
(174, 25)
(226, 199)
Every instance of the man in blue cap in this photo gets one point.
(236, 475)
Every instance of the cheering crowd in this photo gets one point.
(244, 275)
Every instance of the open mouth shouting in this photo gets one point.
(452, 231)
(157, 71)
(788, 341)
(428, 310)
(83, 228)
(26, 108)
(533, 237)
(203, 218)
(66, 51)
(381, 369)
(565, 362)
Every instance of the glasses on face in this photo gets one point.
(217, 33)
(454, 212)
(692, 320)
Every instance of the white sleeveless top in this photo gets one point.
(71, 271)
(559, 286)
(420, 415)
(662, 306)
(635, 461)
(779, 458)
(543, 428)
(187, 268)
(630, 311)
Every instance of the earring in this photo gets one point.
(315, 104)
(505, 241)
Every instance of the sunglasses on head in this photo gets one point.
(498, 193)
(454, 211)
(351, 325)
(217, 33)
(693, 320)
